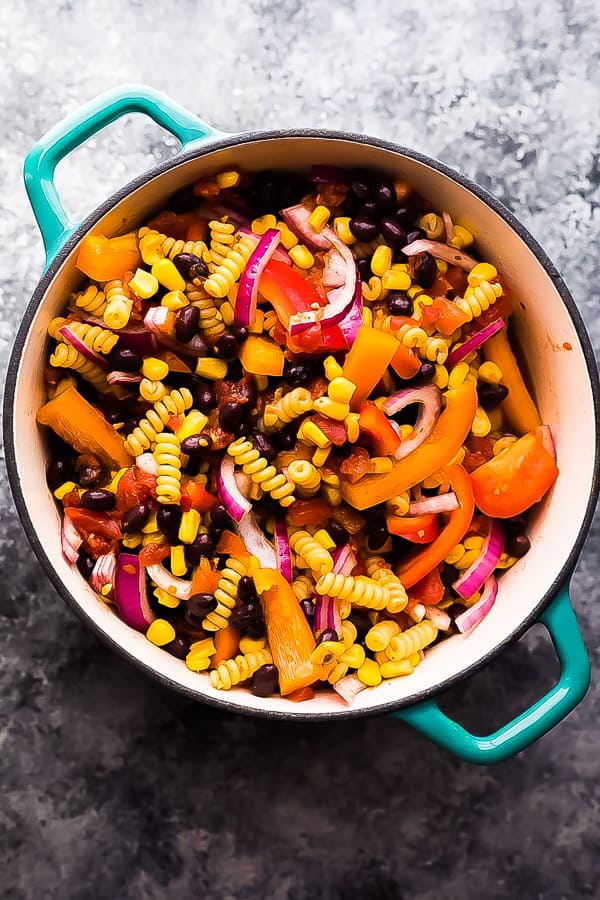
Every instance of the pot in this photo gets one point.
(550, 329)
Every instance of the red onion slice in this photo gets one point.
(280, 253)
(334, 269)
(229, 493)
(438, 617)
(471, 617)
(352, 321)
(474, 342)
(130, 592)
(178, 587)
(256, 543)
(282, 548)
(70, 540)
(429, 398)
(472, 578)
(117, 377)
(349, 687)
(82, 347)
(327, 609)
(439, 504)
(247, 295)
(448, 226)
(441, 251)
(104, 573)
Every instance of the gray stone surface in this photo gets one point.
(114, 788)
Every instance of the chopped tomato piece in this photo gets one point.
(444, 314)
(195, 496)
(334, 431)
(135, 487)
(355, 465)
(479, 450)
(429, 590)
(308, 512)
(153, 553)
(172, 224)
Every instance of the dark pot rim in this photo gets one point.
(204, 150)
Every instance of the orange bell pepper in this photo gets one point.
(195, 496)
(231, 544)
(405, 363)
(428, 590)
(458, 523)
(445, 315)
(418, 529)
(367, 360)
(205, 579)
(436, 451)
(102, 258)
(515, 479)
(385, 440)
(290, 638)
(518, 407)
(227, 642)
(261, 356)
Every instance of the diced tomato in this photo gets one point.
(135, 487)
(334, 431)
(195, 496)
(479, 450)
(172, 224)
(100, 532)
(457, 279)
(308, 512)
(318, 387)
(429, 590)
(356, 465)
(153, 553)
(418, 529)
(197, 231)
(444, 314)
(439, 286)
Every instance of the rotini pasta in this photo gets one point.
(92, 300)
(303, 587)
(316, 557)
(357, 589)
(233, 671)
(305, 476)
(378, 636)
(222, 238)
(65, 356)
(229, 271)
(378, 570)
(415, 638)
(266, 476)
(211, 320)
(118, 305)
(478, 298)
(167, 453)
(144, 435)
(155, 246)
(293, 404)
(226, 595)
(435, 349)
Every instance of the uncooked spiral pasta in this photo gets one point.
(211, 320)
(225, 594)
(415, 638)
(231, 671)
(261, 473)
(316, 557)
(155, 246)
(305, 476)
(222, 238)
(118, 305)
(229, 271)
(478, 298)
(92, 300)
(167, 454)
(144, 434)
(357, 589)
(67, 357)
(291, 405)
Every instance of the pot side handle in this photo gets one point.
(536, 721)
(75, 129)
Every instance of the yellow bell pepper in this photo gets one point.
(261, 356)
(367, 360)
(104, 259)
(518, 407)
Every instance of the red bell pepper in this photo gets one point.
(287, 291)
(418, 529)
(372, 422)
(428, 590)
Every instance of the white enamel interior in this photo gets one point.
(561, 383)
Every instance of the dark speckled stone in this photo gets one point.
(114, 788)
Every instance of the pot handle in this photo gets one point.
(75, 129)
(544, 714)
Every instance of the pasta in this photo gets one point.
(167, 454)
(261, 473)
(144, 434)
(225, 595)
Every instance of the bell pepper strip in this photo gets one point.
(436, 451)
(103, 259)
(405, 362)
(261, 356)
(515, 479)
(518, 407)
(227, 643)
(287, 291)
(445, 315)
(205, 579)
(289, 635)
(231, 544)
(373, 423)
(367, 360)
(301, 694)
(429, 590)
(195, 496)
(308, 512)
(455, 529)
(418, 529)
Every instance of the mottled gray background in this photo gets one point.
(113, 788)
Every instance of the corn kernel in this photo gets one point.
(395, 280)
(319, 218)
(440, 377)
(414, 291)
(442, 266)
(324, 539)
(302, 257)
(175, 300)
(319, 457)
(228, 179)
(155, 369)
(352, 427)
(178, 564)
(455, 555)
(367, 317)
(354, 656)
(341, 226)
(481, 272)
(332, 368)
(193, 423)
(490, 372)
(251, 645)
(312, 434)
(381, 260)
(151, 524)
(144, 284)
(227, 312)
(288, 238)
(369, 673)
(64, 489)
(349, 634)
(432, 225)
(197, 662)
(150, 248)
(457, 375)
(473, 542)
(263, 223)
(481, 426)
(152, 391)
(132, 540)
(167, 273)
(160, 632)
(341, 389)
(214, 369)
(326, 652)
(392, 668)
(188, 527)
(331, 408)
(462, 237)
(257, 326)
(166, 599)
(155, 538)
(380, 464)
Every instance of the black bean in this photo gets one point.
(363, 229)
(273, 190)
(375, 514)
(426, 372)
(364, 269)
(491, 395)
(179, 647)
(308, 608)
(450, 294)
(135, 517)
(415, 234)
(518, 545)
(328, 634)
(231, 415)
(168, 519)
(96, 498)
(227, 346)
(256, 629)
(298, 374)
(183, 201)
(247, 590)
(392, 232)
(57, 472)
(448, 575)
(202, 546)
(378, 535)
(235, 370)
(284, 440)
(426, 270)
(200, 605)
(186, 323)
(204, 395)
(516, 524)
(90, 476)
(399, 303)
(361, 622)
(385, 197)
(362, 187)
(265, 681)
(337, 532)
(85, 564)
(368, 210)
(114, 414)
(264, 445)
(190, 266)
(240, 333)
(195, 444)
(122, 359)
(249, 619)
(406, 213)
(220, 517)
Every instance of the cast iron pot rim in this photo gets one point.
(250, 137)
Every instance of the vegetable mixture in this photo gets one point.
(291, 439)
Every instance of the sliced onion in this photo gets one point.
(103, 574)
(344, 560)
(352, 321)
(139, 339)
(441, 503)
(544, 436)
(247, 295)
(161, 321)
(282, 548)
(229, 493)
(334, 269)
(471, 579)
(178, 587)
(70, 540)
(416, 611)
(474, 341)
(438, 617)
(280, 253)
(471, 617)
(327, 609)
(147, 463)
(329, 175)
(117, 377)
(441, 251)
(449, 227)
(70, 336)
(256, 543)
(429, 398)
(130, 592)
(349, 687)
(296, 218)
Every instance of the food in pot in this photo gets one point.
(292, 442)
